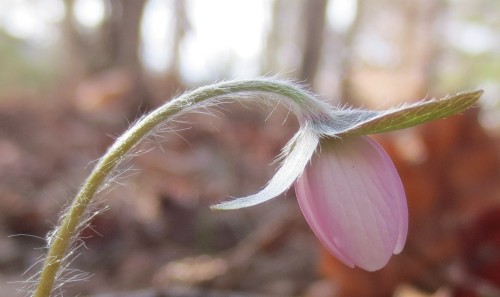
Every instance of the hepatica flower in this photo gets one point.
(349, 190)
(353, 199)
(347, 187)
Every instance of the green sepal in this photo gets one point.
(413, 114)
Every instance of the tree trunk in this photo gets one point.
(315, 14)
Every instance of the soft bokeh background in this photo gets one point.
(75, 73)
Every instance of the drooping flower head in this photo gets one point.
(349, 191)
(354, 201)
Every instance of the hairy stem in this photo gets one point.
(68, 227)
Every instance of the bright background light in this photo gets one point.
(156, 31)
(89, 13)
(31, 20)
(341, 13)
(225, 34)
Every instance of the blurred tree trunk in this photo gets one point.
(121, 34)
(171, 82)
(114, 44)
(295, 39)
(110, 53)
(314, 21)
(122, 42)
(81, 47)
(426, 30)
(283, 50)
(347, 57)
(181, 27)
(412, 42)
(270, 63)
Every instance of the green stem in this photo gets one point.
(68, 227)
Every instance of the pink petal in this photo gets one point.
(353, 199)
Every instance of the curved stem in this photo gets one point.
(68, 227)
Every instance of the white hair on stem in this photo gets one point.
(203, 99)
(317, 119)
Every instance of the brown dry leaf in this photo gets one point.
(191, 270)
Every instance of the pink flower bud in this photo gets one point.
(352, 197)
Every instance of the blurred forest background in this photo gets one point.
(75, 73)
